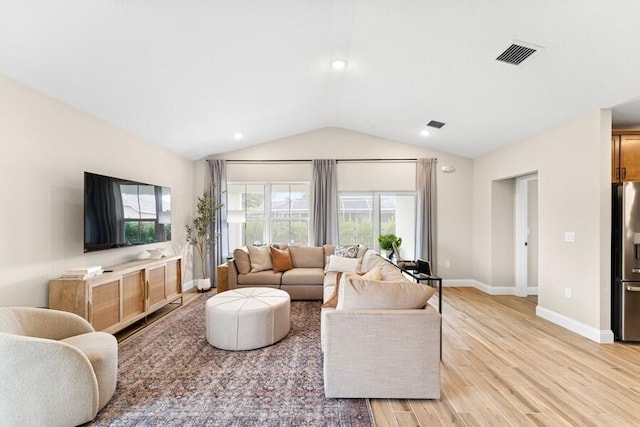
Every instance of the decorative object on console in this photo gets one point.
(199, 234)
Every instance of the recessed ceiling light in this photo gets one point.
(338, 64)
(237, 136)
(425, 132)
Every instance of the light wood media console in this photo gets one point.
(122, 295)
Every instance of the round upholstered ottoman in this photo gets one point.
(248, 318)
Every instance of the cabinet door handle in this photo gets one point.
(618, 174)
(89, 311)
(624, 173)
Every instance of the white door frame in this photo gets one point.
(522, 233)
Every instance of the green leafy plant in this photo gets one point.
(200, 232)
(387, 240)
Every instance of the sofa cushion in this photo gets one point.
(332, 300)
(357, 293)
(267, 277)
(241, 258)
(307, 256)
(281, 259)
(343, 264)
(260, 257)
(303, 276)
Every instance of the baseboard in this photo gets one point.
(188, 285)
(594, 334)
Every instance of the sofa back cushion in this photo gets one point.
(242, 261)
(357, 293)
(307, 256)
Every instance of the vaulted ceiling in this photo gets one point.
(189, 74)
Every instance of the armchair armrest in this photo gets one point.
(50, 324)
(382, 353)
(64, 376)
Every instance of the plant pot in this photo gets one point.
(203, 285)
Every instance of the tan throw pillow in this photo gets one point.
(241, 258)
(260, 257)
(281, 259)
(373, 274)
(357, 293)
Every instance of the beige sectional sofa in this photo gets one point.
(304, 281)
(381, 339)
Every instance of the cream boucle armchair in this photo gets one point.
(55, 370)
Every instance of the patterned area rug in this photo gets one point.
(169, 375)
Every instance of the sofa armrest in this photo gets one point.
(232, 274)
(45, 382)
(50, 324)
(382, 353)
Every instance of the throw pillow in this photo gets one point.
(281, 259)
(260, 257)
(346, 251)
(357, 293)
(345, 265)
(373, 274)
(241, 258)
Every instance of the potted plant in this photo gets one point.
(390, 243)
(200, 234)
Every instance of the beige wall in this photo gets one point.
(573, 164)
(46, 147)
(454, 189)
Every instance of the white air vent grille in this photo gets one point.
(516, 53)
(435, 124)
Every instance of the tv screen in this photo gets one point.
(120, 213)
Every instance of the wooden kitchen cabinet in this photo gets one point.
(625, 157)
(122, 295)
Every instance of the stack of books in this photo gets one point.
(82, 273)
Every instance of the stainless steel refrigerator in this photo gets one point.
(625, 251)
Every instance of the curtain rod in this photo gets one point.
(309, 160)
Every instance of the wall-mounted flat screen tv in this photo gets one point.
(121, 212)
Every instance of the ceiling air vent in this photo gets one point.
(435, 124)
(517, 52)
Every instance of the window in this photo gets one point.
(268, 213)
(364, 216)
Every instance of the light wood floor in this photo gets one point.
(503, 366)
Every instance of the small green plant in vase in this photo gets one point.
(200, 234)
(390, 243)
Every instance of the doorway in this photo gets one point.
(526, 241)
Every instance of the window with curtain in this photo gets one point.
(261, 213)
(363, 216)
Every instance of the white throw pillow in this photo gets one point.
(357, 293)
(260, 257)
(343, 264)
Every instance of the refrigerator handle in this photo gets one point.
(633, 288)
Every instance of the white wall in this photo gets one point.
(46, 147)
(573, 164)
(454, 189)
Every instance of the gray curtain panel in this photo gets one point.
(218, 190)
(324, 202)
(426, 215)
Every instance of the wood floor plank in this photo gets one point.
(503, 365)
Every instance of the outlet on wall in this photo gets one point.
(569, 236)
(567, 292)
(447, 264)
